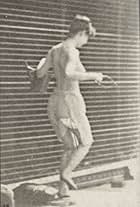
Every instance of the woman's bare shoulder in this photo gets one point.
(71, 52)
(59, 45)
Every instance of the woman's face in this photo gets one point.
(82, 38)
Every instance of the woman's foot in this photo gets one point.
(60, 195)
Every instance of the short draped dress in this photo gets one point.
(67, 111)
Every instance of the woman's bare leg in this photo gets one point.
(68, 150)
(63, 187)
(75, 158)
(71, 159)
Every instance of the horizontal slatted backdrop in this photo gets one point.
(28, 29)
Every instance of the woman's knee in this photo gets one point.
(85, 147)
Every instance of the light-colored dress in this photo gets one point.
(67, 110)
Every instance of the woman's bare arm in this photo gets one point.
(44, 65)
(81, 75)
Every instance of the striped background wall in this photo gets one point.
(28, 28)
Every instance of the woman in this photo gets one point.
(66, 107)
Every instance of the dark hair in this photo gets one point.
(81, 23)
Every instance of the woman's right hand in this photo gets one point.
(99, 78)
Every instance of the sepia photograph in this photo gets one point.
(69, 103)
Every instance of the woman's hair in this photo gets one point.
(81, 23)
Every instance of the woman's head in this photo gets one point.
(82, 26)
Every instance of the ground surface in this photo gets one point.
(104, 196)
